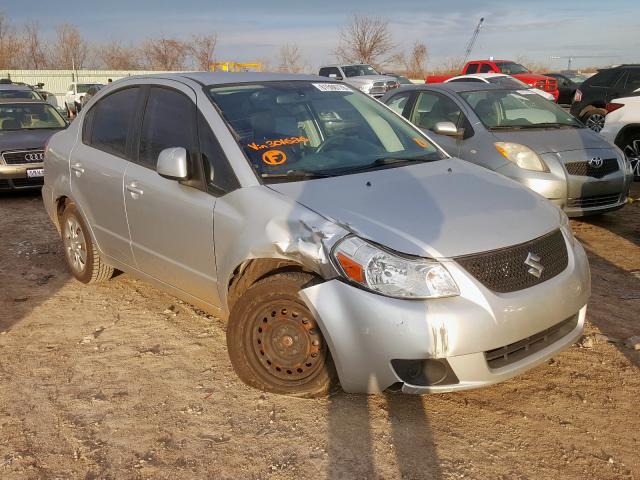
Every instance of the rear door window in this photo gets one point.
(633, 81)
(169, 121)
(108, 126)
(472, 68)
(604, 78)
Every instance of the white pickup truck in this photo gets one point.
(361, 76)
(73, 97)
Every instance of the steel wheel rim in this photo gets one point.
(75, 245)
(286, 342)
(595, 122)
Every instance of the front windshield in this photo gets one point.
(32, 116)
(358, 70)
(289, 129)
(517, 109)
(84, 87)
(511, 68)
(30, 94)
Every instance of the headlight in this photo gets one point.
(366, 87)
(521, 155)
(565, 226)
(391, 274)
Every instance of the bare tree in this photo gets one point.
(365, 40)
(201, 48)
(290, 59)
(115, 56)
(70, 49)
(9, 44)
(35, 52)
(164, 53)
(415, 63)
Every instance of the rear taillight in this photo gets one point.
(613, 106)
(577, 97)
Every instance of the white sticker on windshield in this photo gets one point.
(527, 92)
(332, 87)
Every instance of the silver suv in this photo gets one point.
(338, 240)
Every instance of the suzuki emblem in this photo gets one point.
(533, 261)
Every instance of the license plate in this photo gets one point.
(35, 172)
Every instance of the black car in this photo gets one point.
(594, 94)
(566, 87)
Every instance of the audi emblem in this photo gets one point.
(595, 162)
(34, 157)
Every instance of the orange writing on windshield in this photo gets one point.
(274, 157)
(277, 143)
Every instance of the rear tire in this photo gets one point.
(274, 341)
(594, 119)
(81, 251)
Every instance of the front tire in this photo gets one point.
(594, 119)
(631, 149)
(81, 251)
(274, 341)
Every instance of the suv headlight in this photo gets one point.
(391, 274)
(565, 226)
(366, 87)
(521, 155)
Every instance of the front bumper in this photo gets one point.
(14, 177)
(577, 196)
(365, 331)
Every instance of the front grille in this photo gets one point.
(505, 270)
(27, 156)
(594, 201)
(514, 352)
(28, 182)
(584, 169)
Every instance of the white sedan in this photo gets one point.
(500, 79)
(622, 127)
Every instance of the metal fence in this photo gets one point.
(58, 81)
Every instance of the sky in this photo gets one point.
(249, 30)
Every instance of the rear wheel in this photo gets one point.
(81, 252)
(274, 341)
(631, 148)
(594, 119)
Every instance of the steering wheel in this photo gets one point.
(331, 142)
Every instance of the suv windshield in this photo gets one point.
(511, 68)
(517, 109)
(30, 94)
(312, 129)
(358, 70)
(31, 116)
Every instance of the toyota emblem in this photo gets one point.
(34, 157)
(595, 162)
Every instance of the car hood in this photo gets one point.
(24, 139)
(369, 78)
(554, 140)
(439, 209)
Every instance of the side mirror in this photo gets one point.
(172, 164)
(446, 128)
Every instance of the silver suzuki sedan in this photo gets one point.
(336, 238)
(522, 136)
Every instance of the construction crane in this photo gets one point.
(472, 41)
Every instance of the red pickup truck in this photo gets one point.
(508, 67)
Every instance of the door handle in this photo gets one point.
(134, 191)
(77, 168)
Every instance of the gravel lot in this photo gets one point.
(122, 381)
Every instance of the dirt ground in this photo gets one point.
(122, 381)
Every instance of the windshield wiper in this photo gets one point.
(296, 174)
(550, 125)
(381, 162)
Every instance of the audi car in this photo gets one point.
(334, 237)
(25, 126)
